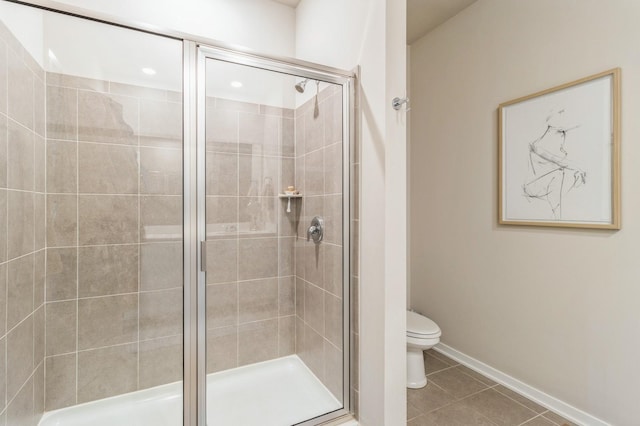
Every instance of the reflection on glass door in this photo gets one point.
(274, 298)
(93, 119)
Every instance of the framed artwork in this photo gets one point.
(559, 155)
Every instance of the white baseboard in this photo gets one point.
(553, 404)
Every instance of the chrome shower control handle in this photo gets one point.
(316, 230)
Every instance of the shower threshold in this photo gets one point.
(279, 392)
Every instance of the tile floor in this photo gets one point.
(456, 395)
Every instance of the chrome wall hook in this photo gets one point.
(397, 103)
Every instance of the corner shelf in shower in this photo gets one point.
(289, 197)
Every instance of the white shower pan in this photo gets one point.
(271, 393)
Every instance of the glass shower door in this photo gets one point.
(275, 313)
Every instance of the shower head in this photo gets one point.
(300, 86)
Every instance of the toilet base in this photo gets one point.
(416, 377)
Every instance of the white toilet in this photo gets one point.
(422, 334)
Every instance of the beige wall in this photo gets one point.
(555, 308)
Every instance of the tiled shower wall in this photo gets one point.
(22, 237)
(319, 266)
(250, 268)
(114, 239)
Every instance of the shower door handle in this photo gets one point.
(316, 230)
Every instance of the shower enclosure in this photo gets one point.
(159, 265)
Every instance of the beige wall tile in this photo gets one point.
(258, 215)
(160, 218)
(160, 123)
(107, 169)
(160, 171)
(222, 261)
(161, 313)
(20, 90)
(137, 91)
(313, 130)
(62, 168)
(160, 265)
(106, 321)
(229, 105)
(106, 270)
(289, 221)
(299, 134)
(259, 175)
(19, 290)
(38, 393)
(300, 347)
(61, 327)
(3, 224)
(62, 113)
(39, 107)
(300, 289)
(62, 220)
(314, 352)
(333, 319)
(40, 219)
(62, 277)
(257, 258)
(222, 348)
(4, 135)
(222, 305)
(75, 82)
(107, 219)
(333, 219)
(314, 173)
(38, 336)
(20, 157)
(287, 296)
(286, 265)
(333, 370)
(333, 269)
(261, 130)
(257, 341)
(19, 356)
(257, 300)
(333, 169)
(21, 218)
(3, 301)
(3, 77)
(299, 258)
(221, 174)
(332, 109)
(3, 372)
(314, 307)
(39, 277)
(107, 118)
(60, 387)
(222, 216)
(221, 131)
(39, 164)
(160, 361)
(288, 138)
(286, 335)
(106, 372)
(20, 410)
(314, 263)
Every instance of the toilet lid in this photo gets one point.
(418, 325)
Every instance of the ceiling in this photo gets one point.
(422, 15)
(292, 3)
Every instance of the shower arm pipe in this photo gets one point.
(55, 6)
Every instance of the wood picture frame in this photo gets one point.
(559, 156)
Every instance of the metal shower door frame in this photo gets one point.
(195, 65)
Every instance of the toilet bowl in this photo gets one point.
(422, 334)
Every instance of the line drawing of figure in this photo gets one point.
(552, 173)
